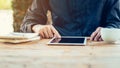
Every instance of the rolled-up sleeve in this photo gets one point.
(113, 17)
(36, 14)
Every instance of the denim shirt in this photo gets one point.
(74, 17)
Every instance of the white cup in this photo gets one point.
(110, 34)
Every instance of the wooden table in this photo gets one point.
(37, 54)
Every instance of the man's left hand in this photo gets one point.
(96, 36)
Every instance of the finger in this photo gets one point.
(56, 34)
(46, 35)
(42, 34)
(92, 36)
(100, 39)
(95, 33)
(50, 32)
(97, 37)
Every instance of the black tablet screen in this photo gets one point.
(68, 40)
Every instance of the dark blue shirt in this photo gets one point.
(74, 17)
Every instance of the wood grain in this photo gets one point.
(38, 54)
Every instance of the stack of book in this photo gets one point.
(19, 37)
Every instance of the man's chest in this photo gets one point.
(76, 4)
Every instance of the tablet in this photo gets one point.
(68, 40)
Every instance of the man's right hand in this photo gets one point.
(46, 31)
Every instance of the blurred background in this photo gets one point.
(11, 14)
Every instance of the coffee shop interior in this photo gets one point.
(28, 50)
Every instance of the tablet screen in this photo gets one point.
(69, 40)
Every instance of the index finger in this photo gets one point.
(55, 32)
(95, 33)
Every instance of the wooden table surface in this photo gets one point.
(37, 54)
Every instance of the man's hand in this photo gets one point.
(46, 31)
(96, 36)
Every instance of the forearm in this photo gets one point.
(34, 16)
(113, 17)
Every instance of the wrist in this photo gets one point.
(36, 28)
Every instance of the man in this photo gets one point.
(72, 17)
